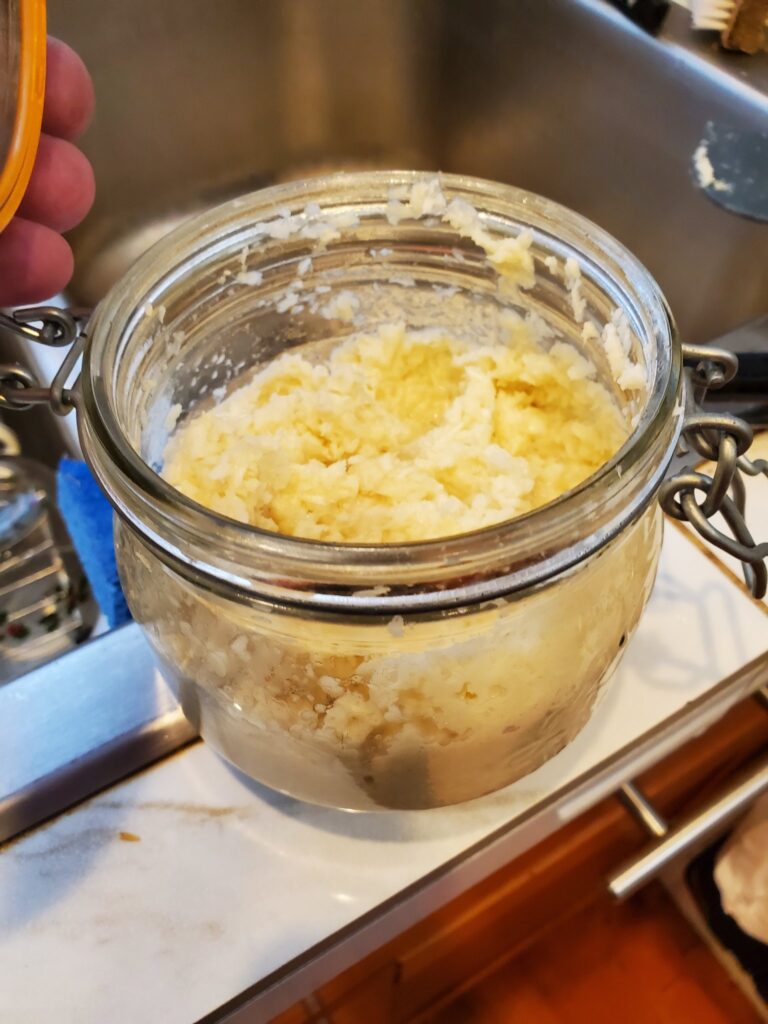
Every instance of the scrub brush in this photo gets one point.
(741, 23)
(712, 14)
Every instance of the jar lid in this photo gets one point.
(22, 93)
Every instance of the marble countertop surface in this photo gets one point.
(172, 894)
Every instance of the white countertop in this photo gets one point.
(227, 882)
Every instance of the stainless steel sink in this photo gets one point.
(199, 100)
(565, 97)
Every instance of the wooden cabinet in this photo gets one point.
(511, 909)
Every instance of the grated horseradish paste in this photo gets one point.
(400, 436)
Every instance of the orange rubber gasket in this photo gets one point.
(25, 136)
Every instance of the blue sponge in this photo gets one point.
(88, 518)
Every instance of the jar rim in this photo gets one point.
(422, 573)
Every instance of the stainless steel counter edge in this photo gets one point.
(80, 723)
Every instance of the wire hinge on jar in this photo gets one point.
(57, 328)
(724, 440)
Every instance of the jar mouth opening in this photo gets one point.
(529, 544)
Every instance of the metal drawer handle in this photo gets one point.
(684, 838)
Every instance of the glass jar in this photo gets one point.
(375, 676)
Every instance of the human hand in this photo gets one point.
(35, 261)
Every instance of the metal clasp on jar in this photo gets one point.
(695, 497)
(57, 328)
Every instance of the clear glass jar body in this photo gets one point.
(373, 676)
(433, 711)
